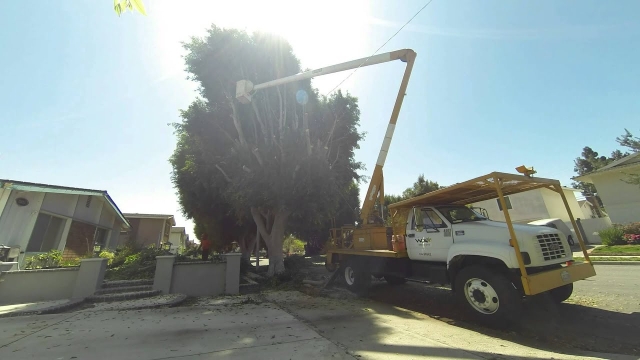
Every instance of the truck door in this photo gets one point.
(429, 236)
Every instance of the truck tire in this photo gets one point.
(357, 276)
(488, 296)
(394, 280)
(561, 293)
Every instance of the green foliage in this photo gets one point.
(612, 236)
(130, 263)
(629, 141)
(420, 187)
(51, 259)
(109, 255)
(291, 245)
(120, 6)
(70, 262)
(268, 155)
(590, 161)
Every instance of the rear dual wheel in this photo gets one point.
(357, 275)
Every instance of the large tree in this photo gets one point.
(274, 159)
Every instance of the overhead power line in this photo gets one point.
(381, 46)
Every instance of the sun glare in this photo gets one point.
(321, 33)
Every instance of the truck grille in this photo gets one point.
(551, 246)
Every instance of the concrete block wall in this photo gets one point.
(198, 278)
(28, 286)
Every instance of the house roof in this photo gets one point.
(581, 202)
(48, 188)
(478, 189)
(626, 162)
(151, 216)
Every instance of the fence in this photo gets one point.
(198, 278)
(28, 286)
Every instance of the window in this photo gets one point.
(101, 237)
(432, 219)
(429, 218)
(46, 233)
(507, 200)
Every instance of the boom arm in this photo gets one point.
(245, 89)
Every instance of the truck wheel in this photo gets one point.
(357, 276)
(561, 293)
(395, 280)
(489, 297)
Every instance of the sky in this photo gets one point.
(86, 96)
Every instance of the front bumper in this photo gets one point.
(543, 281)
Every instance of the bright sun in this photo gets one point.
(321, 33)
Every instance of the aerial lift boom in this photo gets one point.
(245, 89)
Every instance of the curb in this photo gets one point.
(615, 262)
(46, 311)
(173, 303)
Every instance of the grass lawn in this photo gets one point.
(607, 258)
(619, 250)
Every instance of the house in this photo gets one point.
(147, 229)
(621, 200)
(588, 210)
(533, 205)
(178, 239)
(38, 218)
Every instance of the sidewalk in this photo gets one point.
(288, 325)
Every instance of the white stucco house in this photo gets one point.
(534, 205)
(621, 200)
(178, 239)
(37, 218)
(588, 210)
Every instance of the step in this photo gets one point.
(123, 296)
(126, 283)
(123, 289)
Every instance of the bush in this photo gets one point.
(612, 236)
(631, 228)
(132, 259)
(106, 254)
(70, 263)
(52, 259)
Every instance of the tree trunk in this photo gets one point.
(273, 239)
(247, 245)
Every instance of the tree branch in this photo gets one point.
(223, 173)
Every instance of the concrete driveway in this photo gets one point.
(278, 325)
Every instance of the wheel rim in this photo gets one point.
(481, 296)
(348, 275)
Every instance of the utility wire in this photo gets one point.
(385, 43)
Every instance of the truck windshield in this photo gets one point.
(458, 214)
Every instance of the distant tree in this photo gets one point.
(274, 159)
(120, 6)
(629, 141)
(421, 186)
(590, 161)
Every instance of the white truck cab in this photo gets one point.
(440, 233)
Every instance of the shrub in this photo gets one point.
(70, 263)
(632, 239)
(612, 236)
(52, 259)
(106, 254)
(631, 228)
(131, 259)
